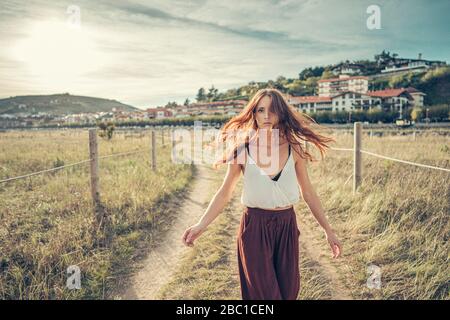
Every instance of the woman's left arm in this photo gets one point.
(312, 199)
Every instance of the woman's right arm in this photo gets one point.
(217, 204)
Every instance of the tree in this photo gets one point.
(383, 57)
(327, 75)
(281, 81)
(416, 114)
(311, 72)
(171, 104)
(107, 129)
(212, 93)
(186, 102)
(201, 95)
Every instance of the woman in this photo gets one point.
(267, 245)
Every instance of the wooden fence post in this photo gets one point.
(357, 130)
(93, 156)
(172, 137)
(153, 150)
(162, 137)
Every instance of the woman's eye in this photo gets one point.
(260, 110)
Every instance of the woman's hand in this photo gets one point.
(192, 233)
(336, 247)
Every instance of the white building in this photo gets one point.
(417, 96)
(355, 101)
(311, 103)
(413, 65)
(389, 99)
(347, 68)
(335, 86)
(393, 99)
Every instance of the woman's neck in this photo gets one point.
(266, 141)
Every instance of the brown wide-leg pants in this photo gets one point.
(268, 254)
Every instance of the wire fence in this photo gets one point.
(357, 160)
(404, 161)
(94, 172)
(393, 159)
(153, 147)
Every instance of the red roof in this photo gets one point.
(343, 79)
(386, 93)
(306, 99)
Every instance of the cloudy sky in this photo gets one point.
(146, 53)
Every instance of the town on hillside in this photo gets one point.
(347, 87)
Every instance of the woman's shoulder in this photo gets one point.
(297, 151)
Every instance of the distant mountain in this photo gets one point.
(59, 104)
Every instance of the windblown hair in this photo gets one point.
(242, 129)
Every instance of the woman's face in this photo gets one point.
(265, 118)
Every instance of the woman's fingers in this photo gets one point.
(191, 234)
(190, 239)
(339, 250)
(336, 250)
(186, 236)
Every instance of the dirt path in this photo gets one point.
(160, 264)
(313, 244)
(158, 267)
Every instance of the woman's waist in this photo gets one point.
(269, 211)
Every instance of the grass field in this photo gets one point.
(46, 221)
(397, 221)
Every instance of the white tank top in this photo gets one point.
(260, 191)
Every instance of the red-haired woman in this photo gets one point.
(267, 245)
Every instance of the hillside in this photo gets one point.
(434, 83)
(59, 104)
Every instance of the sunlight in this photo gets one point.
(54, 53)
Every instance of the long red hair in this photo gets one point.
(292, 125)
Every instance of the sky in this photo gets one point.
(146, 53)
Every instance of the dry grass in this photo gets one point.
(46, 221)
(397, 221)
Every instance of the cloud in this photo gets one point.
(151, 52)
